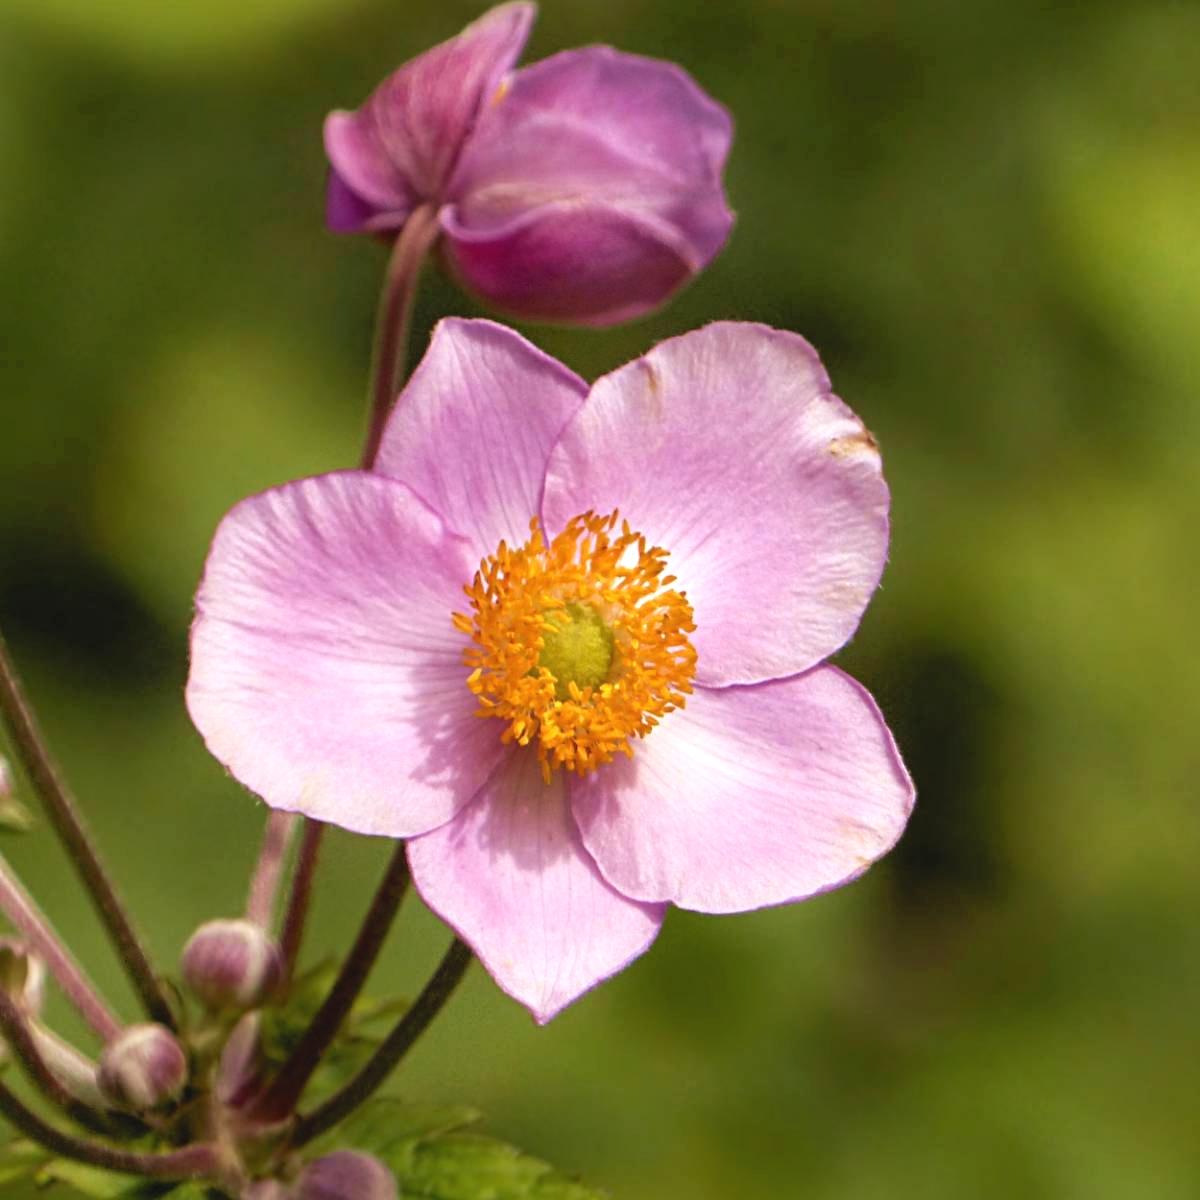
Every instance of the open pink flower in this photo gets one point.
(584, 188)
(580, 720)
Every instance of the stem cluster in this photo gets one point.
(207, 1134)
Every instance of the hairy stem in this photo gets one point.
(20, 1040)
(20, 908)
(281, 1094)
(268, 871)
(61, 809)
(190, 1162)
(301, 895)
(428, 1004)
(395, 310)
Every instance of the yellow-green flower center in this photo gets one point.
(580, 644)
(577, 648)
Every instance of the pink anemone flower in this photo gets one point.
(585, 188)
(571, 644)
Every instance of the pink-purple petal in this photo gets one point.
(403, 143)
(473, 429)
(510, 875)
(751, 796)
(326, 673)
(726, 447)
(592, 189)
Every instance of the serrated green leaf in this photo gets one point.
(466, 1166)
(90, 1181)
(389, 1126)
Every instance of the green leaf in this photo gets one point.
(14, 816)
(19, 1159)
(433, 1159)
(465, 1166)
(108, 1185)
(91, 1181)
(389, 1126)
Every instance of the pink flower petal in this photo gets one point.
(509, 874)
(726, 447)
(750, 797)
(592, 189)
(473, 429)
(400, 147)
(326, 673)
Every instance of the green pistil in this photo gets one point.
(578, 649)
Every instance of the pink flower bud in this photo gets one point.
(231, 964)
(347, 1175)
(266, 1189)
(142, 1067)
(22, 975)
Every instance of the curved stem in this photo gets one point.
(268, 871)
(190, 1162)
(19, 1037)
(301, 896)
(428, 1004)
(281, 1094)
(60, 808)
(21, 909)
(395, 310)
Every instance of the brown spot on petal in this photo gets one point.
(854, 443)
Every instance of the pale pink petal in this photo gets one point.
(591, 189)
(326, 673)
(400, 147)
(473, 429)
(750, 796)
(510, 875)
(726, 447)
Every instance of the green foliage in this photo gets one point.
(369, 1021)
(433, 1159)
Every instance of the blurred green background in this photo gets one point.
(987, 217)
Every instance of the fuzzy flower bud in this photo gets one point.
(22, 975)
(231, 964)
(267, 1189)
(142, 1068)
(347, 1175)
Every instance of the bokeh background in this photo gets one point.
(987, 217)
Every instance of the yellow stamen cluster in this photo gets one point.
(579, 645)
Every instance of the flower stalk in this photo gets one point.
(21, 909)
(395, 313)
(384, 1061)
(201, 1160)
(284, 1091)
(19, 1037)
(68, 824)
(300, 897)
(268, 871)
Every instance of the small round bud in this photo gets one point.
(266, 1189)
(141, 1068)
(231, 965)
(347, 1175)
(22, 975)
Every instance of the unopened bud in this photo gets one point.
(347, 1175)
(22, 975)
(266, 1189)
(14, 816)
(142, 1068)
(231, 965)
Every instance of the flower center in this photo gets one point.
(578, 645)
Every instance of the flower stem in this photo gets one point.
(410, 1027)
(19, 907)
(189, 1162)
(64, 816)
(268, 871)
(20, 1040)
(301, 896)
(281, 1094)
(395, 310)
